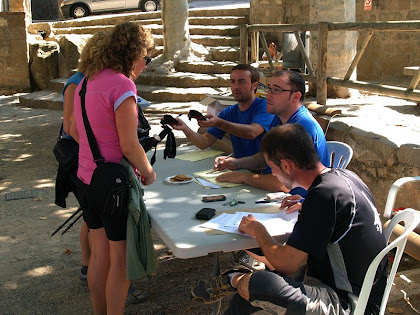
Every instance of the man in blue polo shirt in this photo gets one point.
(285, 94)
(246, 122)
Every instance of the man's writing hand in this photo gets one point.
(248, 225)
(223, 163)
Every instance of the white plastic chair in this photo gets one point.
(340, 154)
(411, 219)
(392, 194)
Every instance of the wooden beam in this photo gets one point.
(244, 43)
(304, 54)
(366, 38)
(376, 26)
(377, 88)
(414, 81)
(267, 52)
(321, 86)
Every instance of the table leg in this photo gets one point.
(216, 272)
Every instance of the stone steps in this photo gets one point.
(209, 67)
(177, 94)
(157, 29)
(42, 99)
(183, 79)
(217, 30)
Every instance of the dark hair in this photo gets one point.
(296, 81)
(255, 75)
(290, 142)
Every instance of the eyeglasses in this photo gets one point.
(148, 59)
(274, 90)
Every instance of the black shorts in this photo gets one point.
(115, 226)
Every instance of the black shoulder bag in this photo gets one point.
(66, 150)
(109, 186)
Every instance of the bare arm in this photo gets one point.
(199, 140)
(125, 117)
(244, 131)
(262, 181)
(69, 124)
(284, 258)
(253, 162)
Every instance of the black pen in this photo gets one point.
(265, 201)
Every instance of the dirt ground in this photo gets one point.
(39, 273)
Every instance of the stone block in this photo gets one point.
(43, 63)
(409, 154)
(70, 48)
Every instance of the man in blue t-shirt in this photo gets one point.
(246, 122)
(285, 95)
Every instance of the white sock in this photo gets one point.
(232, 275)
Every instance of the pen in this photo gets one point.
(265, 201)
(296, 201)
(228, 155)
(180, 115)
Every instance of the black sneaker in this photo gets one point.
(83, 275)
(214, 289)
(135, 296)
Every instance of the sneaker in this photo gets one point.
(245, 260)
(83, 275)
(135, 296)
(214, 289)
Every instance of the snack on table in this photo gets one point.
(180, 178)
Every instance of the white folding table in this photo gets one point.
(172, 209)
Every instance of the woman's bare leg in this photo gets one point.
(117, 285)
(98, 270)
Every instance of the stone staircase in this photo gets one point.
(217, 30)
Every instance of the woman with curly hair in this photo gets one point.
(111, 107)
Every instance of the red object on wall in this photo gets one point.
(368, 5)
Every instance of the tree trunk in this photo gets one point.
(176, 37)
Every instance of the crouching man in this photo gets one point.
(337, 235)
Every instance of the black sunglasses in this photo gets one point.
(148, 59)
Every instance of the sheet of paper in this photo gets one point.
(275, 223)
(210, 175)
(207, 184)
(199, 155)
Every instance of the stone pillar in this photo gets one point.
(22, 6)
(14, 55)
(341, 45)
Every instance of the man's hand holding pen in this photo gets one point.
(292, 203)
(224, 162)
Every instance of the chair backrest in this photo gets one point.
(340, 154)
(392, 194)
(411, 218)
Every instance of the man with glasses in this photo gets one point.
(285, 94)
(246, 122)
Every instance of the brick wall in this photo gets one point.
(14, 68)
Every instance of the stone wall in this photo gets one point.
(44, 10)
(14, 68)
(389, 52)
(380, 162)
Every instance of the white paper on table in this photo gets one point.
(218, 223)
(206, 183)
(275, 223)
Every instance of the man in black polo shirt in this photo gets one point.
(337, 235)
